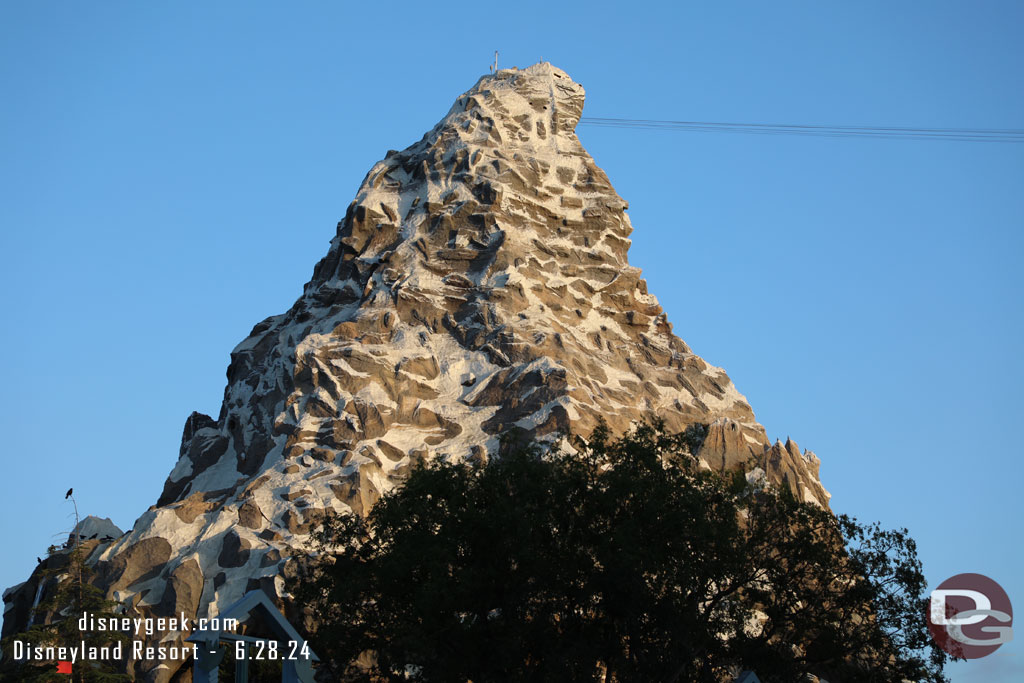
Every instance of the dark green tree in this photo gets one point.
(621, 562)
(68, 594)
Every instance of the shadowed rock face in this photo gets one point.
(478, 283)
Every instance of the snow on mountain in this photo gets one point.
(478, 283)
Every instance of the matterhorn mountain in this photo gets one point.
(477, 286)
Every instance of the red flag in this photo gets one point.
(64, 667)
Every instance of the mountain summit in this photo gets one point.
(477, 285)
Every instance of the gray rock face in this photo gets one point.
(477, 284)
(93, 527)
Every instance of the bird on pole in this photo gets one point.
(68, 494)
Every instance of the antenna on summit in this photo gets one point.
(494, 67)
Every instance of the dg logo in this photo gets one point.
(970, 616)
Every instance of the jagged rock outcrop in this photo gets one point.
(91, 536)
(92, 527)
(477, 284)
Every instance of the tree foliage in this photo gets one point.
(70, 594)
(621, 562)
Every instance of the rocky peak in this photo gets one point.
(477, 284)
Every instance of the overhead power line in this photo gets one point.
(891, 132)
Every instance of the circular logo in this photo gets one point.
(969, 616)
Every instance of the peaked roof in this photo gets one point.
(241, 609)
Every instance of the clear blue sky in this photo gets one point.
(171, 172)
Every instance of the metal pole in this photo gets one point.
(242, 665)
